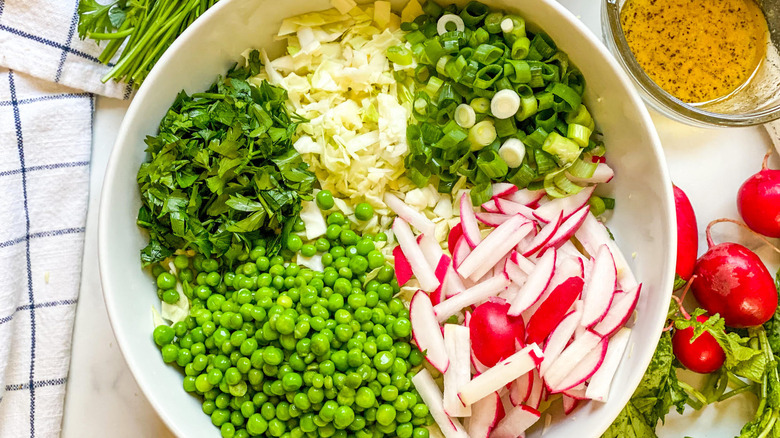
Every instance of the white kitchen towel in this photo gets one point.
(40, 38)
(773, 129)
(45, 146)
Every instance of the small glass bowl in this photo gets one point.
(756, 102)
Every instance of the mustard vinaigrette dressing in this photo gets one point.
(696, 50)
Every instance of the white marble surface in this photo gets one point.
(103, 399)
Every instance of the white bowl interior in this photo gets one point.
(643, 222)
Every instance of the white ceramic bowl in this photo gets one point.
(643, 222)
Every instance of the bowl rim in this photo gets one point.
(659, 98)
(135, 110)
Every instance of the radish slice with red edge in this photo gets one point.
(503, 189)
(473, 295)
(457, 342)
(621, 309)
(592, 234)
(500, 375)
(431, 250)
(553, 310)
(462, 250)
(490, 206)
(516, 421)
(426, 331)
(600, 288)
(514, 272)
(526, 197)
(569, 404)
(492, 219)
(420, 267)
(535, 284)
(454, 283)
(564, 206)
(521, 389)
(403, 270)
(559, 338)
(565, 269)
(485, 414)
(544, 235)
(409, 214)
(495, 246)
(522, 262)
(513, 208)
(567, 229)
(537, 391)
(580, 360)
(601, 381)
(468, 221)
(432, 397)
(455, 233)
(578, 392)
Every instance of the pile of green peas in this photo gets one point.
(276, 350)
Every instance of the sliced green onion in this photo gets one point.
(419, 175)
(580, 116)
(487, 75)
(546, 120)
(447, 96)
(442, 63)
(479, 36)
(469, 73)
(480, 105)
(517, 71)
(487, 54)
(564, 183)
(609, 203)
(433, 85)
(566, 94)
(597, 206)
(512, 152)
(564, 150)
(493, 22)
(520, 48)
(434, 50)
(473, 13)
(432, 8)
(536, 139)
(505, 127)
(430, 133)
(544, 45)
(465, 116)
(528, 103)
(491, 164)
(580, 134)
(415, 37)
(446, 182)
(454, 69)
(421, 73)
(522, 176)
(399, 55)
(545, 100)
(507, 25)
(536, 74)
(482, 134)
(451, 139)
(544, 161)
(505, 104)
(448, 23)
(582, 168)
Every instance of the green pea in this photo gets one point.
(380, 237)
(364, 211)
(383, 360)
(385, 414)
(348, 237)
(358, 264)
(163, 335)
(336, 218)
(166, 280)
(324, 200)
(294, 242)
(343, 417)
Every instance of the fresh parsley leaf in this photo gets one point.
(222, 171)
(95, 17)
(630, 423)
(659, 389)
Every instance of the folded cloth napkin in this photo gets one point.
(46, 77)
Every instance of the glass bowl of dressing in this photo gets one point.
(702, 62)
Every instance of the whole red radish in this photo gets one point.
(731, 280)
(758, 201)
(704, 355)
(687, 235)
(494, 333)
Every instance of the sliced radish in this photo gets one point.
(600, 288)
(559, 338)
(500, 375)
(469, 221)
(462, 250)
(521, 389)
(516, 422)
(513, 208)
(403, 270)
(410, 214)
(526, 265)
(578, 392)
(420, 267)
(592, 234)
(553, 310)
(526, 197)
(537, 391)
(431, 250)
(455, 233)
(492, 219)
(426, 331)
(454, 284)
(457, 342)
(543, 236)
(432, 397)
(485, 414)
(577, 362)
(514, 272)
(564, 270)
(567, 228)
(601, 381)
(473, 295)
(621, 309)
(535, 285)
(504, 189)
(495, 246)
(569, 404)
(565, 206)
(490, 206)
